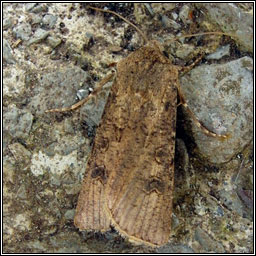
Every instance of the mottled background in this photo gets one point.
(55, 53)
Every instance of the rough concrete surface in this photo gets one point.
(53, 52)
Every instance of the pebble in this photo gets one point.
(221, 96)
(49, 20)
(20, 153)
(17, 122)
(207, 242)
(53, 41)
(219, 53)
(22, 31)
(7, 53)
(7, 23)
(39, 36)
(184, 14)
(169, 23)
(69, 214)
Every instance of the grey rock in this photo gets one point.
(184, 14)
(22, 193)
(232, 20)
(53, 41)
(184, 50)
(7, 23)
(35, 7)
(17, 122)
(57, 89)
(232, 201)
(49, 20)
(174, 15)
(208, 244)
(169, 23)
(182, 248)
(39, 36)
(162, 7)
(69, 214)
(22, 31)
(177, 248)
(7, 53)
(35, 18)
(219, 53)
(68, 126)
(29, 6)
(55, 180)
(149, 8)
(20, 153)
(221, 96)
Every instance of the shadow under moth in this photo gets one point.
(129, 179)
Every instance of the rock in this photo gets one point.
(169, 23)
(219, 53)
(17, 122)
(57, 165)
(184, 14)
(69, 214)
(58, 89)
(35, 19)
(39, 36)
(184, 50)
(29, 6)
(233, 20)
(92, 112)
(7, 53)
(49, 20)
(7, 23)
(232, 201)
(177, 249)
(221, 96)
(20, 153)
(36, 7)
(160, 8)
(22, 31)
(207, 242)
(53, 41)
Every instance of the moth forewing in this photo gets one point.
(134, 145)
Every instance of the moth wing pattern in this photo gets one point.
(134, 146)
(90, 214)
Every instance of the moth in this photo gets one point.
(129, 181)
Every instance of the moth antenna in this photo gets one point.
(124, 19)
(183, 102)
(201, 34)
(83, 101)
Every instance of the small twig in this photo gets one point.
(124, 19)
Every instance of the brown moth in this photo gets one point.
(129, 181)
(130, 173)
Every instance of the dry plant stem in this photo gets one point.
(124, 19)
(200, 34)
(83, 101)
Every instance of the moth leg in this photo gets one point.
(83, 101)
(193, 116)
(188, 68)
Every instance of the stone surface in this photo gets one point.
(17, 122)
(221, 95)
(207, 243)
(45, 155)
(232, 19)
(7, 53)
